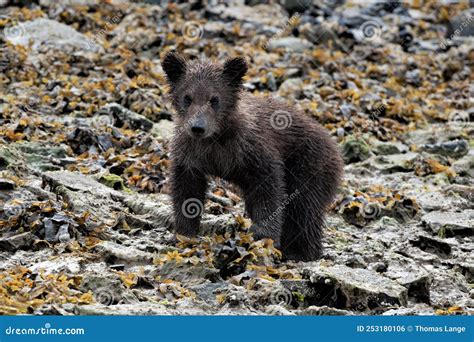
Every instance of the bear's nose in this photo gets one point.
(198, 128)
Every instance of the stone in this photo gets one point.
(16, 242)
(115, 253)
(355, 149)
(121, 116)
(454, 148)
(324, 311)
(262, 14)
(461, 25)
(296, 5)
(449, 223)
(6, 184)
(107, 290)
(392, 163)
(163, 129)
(358, 289)
(387, 148)
(289, 43)
(465, 165)
(50, 33)
(411, 276)
(292, 87)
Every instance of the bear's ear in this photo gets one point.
(234, 70)
(174, 66)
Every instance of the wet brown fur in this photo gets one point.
(288, 176)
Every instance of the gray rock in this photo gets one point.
(455, 148)
(163, 129)
(107, 290)
(120, 115)
(465, 165)
(115, 253)
(387, 148)
(416, 310)
(292, 87)
(355, 149)
(296, 5)
(461, 25)
(464, 191)
(410, 275)
(188, 275)
(272, 15)
(290, 43)
(137, 309)
(15, 242)
(70, 265)
(359, 289)
(432, 244)
(6, 184)
(449, 223)
(392, 163)
(449, 287)
(323, 311)
(50, 33)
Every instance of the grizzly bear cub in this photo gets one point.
(286, 164)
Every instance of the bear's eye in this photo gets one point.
(214, 101)
(187, 100)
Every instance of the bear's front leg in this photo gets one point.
(265, 204)
(188, 189)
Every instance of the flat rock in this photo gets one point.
(120, 115)
(163, 129)
(356, 288)
(290, 43)
(272, 15)
(15, 242)
(136, 309)
(454, 148)
(51, 33)
(411, 276)
(71, 265)
(448, 223)
(323, 311)
(461, 25)
(392, 163)
(6, 184)
(116, 253)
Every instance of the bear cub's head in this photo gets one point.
(204, 94)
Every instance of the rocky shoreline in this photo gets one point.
(85, 125)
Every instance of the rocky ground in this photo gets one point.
(84, 131)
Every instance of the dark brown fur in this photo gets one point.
(288, 176)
